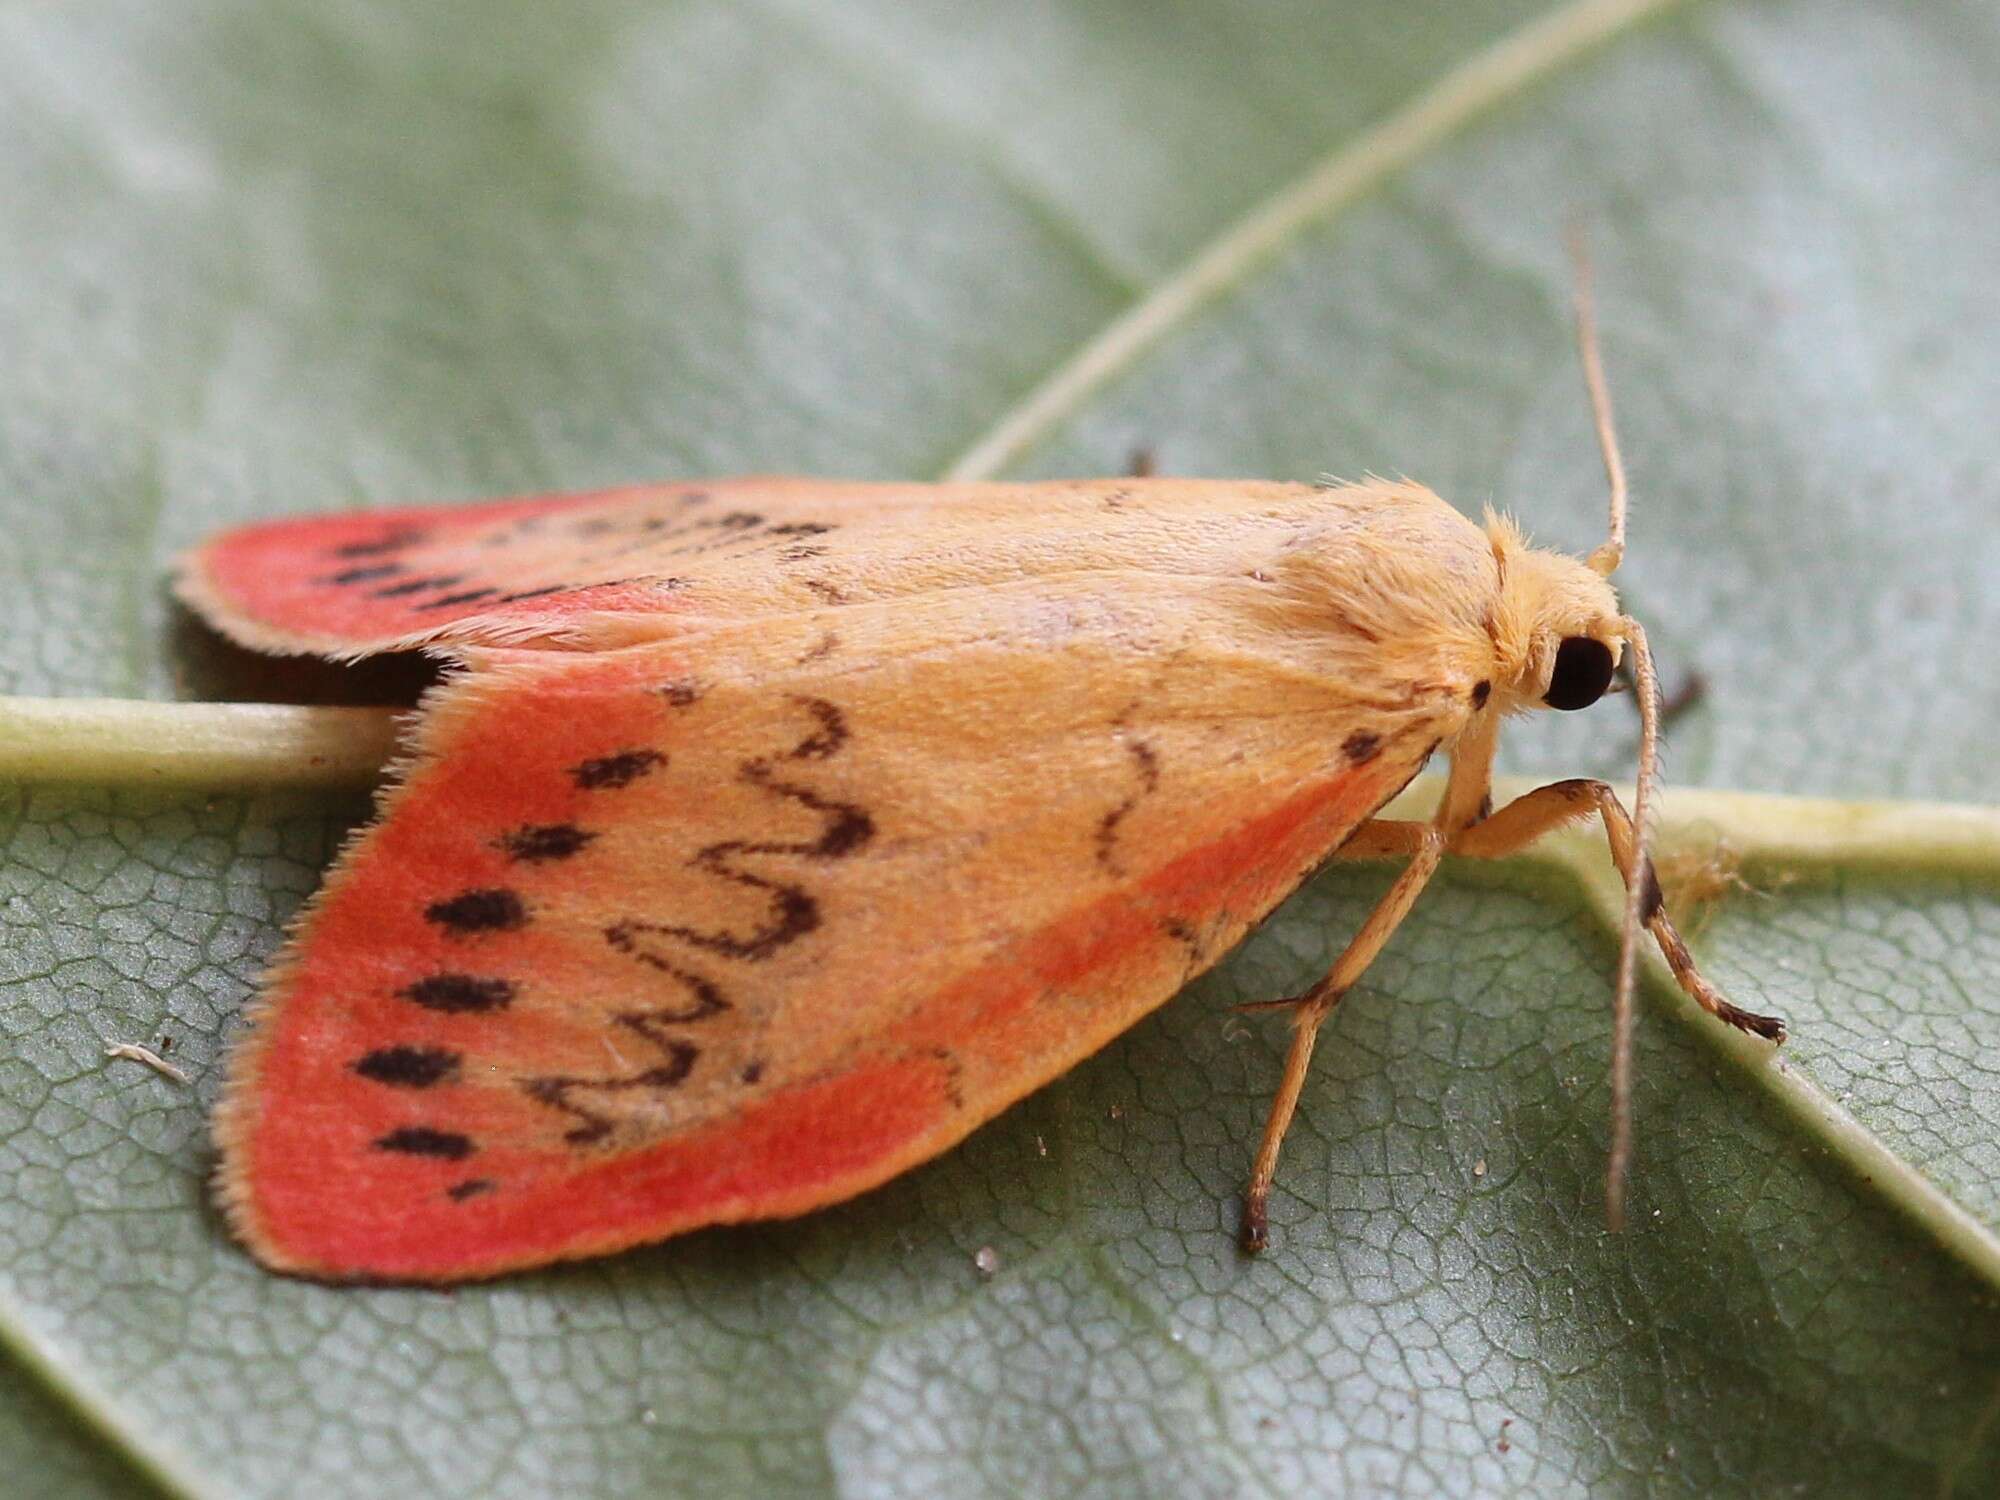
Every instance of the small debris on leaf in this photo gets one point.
(133, 1052)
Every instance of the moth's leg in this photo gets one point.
(1548, 808)
(1467, 796)
(1384, 838)
(1378, 838)
(1317, 1003)
(1693, 688)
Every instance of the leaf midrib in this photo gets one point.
(1503, 70)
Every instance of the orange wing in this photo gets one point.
(620, 565)
(801, 872)
(662, 937)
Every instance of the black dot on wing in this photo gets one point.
(408, 1067)
(363, 575)
(680, 694)
(417, 586)
(752, 1071)
(609, 772)
(1361, 746)
(458, 994)
(540, 842)
(849, 830)
(423, 1140)
(472, 1187)
(390, 541)
(468, 596)
(491, 910)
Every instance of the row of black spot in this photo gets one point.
(470, 914)
(649, 535)
(432, 583)
(646, 533)
(399, 540)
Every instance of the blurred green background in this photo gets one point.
(276, 257)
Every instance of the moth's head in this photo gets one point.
(1558, 631)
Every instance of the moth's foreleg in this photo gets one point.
(1673, 701)
(1385, 838)
(1548, 808)
(1378, 838)
(1317, 1003)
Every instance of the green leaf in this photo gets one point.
(278, 258)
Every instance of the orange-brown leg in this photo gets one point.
(1548, 808)
(1317, 1003)
(1466, 796)
(1385, 838)
(1692, 690)
(1378, 838)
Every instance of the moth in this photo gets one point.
(772, 834)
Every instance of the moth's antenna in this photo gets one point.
(1604, 561)
(1640, 883)
(1639, 880)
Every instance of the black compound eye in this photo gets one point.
(1583, 672)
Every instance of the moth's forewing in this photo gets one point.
(777, 899)
(617, 565)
